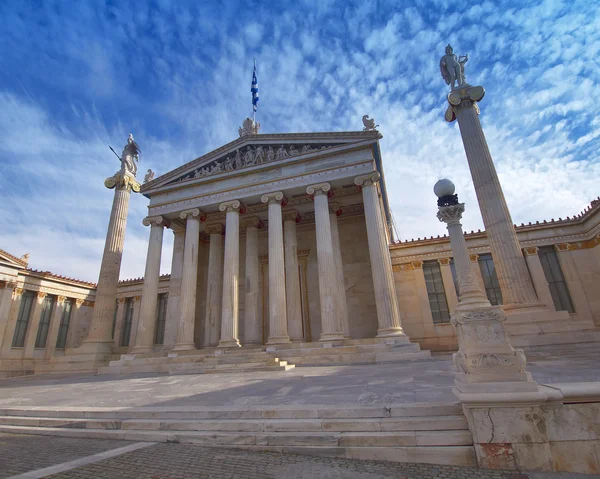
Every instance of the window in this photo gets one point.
(127, 322)
(63, 329)
(436, 292)
(161, 316)
(490, 279)
(556, 280)
(46, 316)
(27, 301)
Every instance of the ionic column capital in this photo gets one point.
(451, 215)
(319, 189)
(562, 247)
(531, 251)
(275, 197)
(251, 222)
(417, 264)
(291, 215)
(156, 220)
(79, 302)
(41, 295)
(334, 209)
(7, 285)
(474, 258)
(193, 213)
(233, 205)
(214, 229)
(61, 299)
(368, 179)
(444, 261)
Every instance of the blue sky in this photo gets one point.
(76, 77)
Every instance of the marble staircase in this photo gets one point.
(435, 433)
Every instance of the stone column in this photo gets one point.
(574, 286)
(231, 269)
(330, 320)
(99, 338)
(174, 301)
(214, 285)
(13, 312)
(515, 282)
(278, 332)
(54, 326)
(334, 212)
(292, 278)
(34, 324)
(252, 326)
(7, 289)
(386, 301)
(189, 280)
(477, 270)
(539, 278)
(147, 323)
(448, 280)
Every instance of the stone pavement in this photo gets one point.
(20, 453)
(424, 381)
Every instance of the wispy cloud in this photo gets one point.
(77, 77)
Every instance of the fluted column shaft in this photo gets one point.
(292, 278)
(339, 270)
(231, 266)
(278, 332)
(386, 301)
(214, 286)
(251, 319)
(147, 322)
(189, 280)
(174, 301)
(106, 292)
(330, 320)
(515, 282)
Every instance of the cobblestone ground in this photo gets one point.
(178, 461)
(21, 453)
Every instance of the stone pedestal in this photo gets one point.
(99, 338)
(330, 320)
(174, 302)
(252, 324)
(278, 332)
(515, 282)
(189, 280)
(292, 277)
(231, 268)
(334, 212)
(144, 339)
(388, 315)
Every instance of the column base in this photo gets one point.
(142, 350)
(388, 332)
(230, 343)
(278, 340)
(184, 347)
(332, 337)
(93, 347)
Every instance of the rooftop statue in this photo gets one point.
(453, 68)
(130, 156)
(369, 123)
(149, 176)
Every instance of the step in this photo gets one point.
(332, 358)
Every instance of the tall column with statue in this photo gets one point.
(99, 339)
(515, 282)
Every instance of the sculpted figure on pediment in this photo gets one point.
(228, 163)
(205, 171)
(249, 158)
(281, 153)
(293, 150)
(196, 174)
(259, 155)
(306, 148)
(270, 154)
(238, 160)
(217, 168)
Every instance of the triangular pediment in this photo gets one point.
(255, 150)
(11, 260)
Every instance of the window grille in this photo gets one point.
(436, 292)
(44, 325)
(63, 329)
(490, 279)
(27, 301)
(556, 280)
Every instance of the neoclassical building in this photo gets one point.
(284, 239)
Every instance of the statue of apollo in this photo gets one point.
(453, 68)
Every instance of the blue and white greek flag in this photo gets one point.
(254, 89)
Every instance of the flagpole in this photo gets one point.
(253, 110)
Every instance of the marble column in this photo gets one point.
(278, 331)
(214, 285)
(292, 277)
(515, 282)
(13, 312)
(538, 277)
(174, 301)
(147, 324)
(54, 326)
(252, 326)
(388, 315)
(7, 289)
(231, 269)
(330, 320)
(189, 280)
(334, 212)
(99, 338)
(448, 281)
